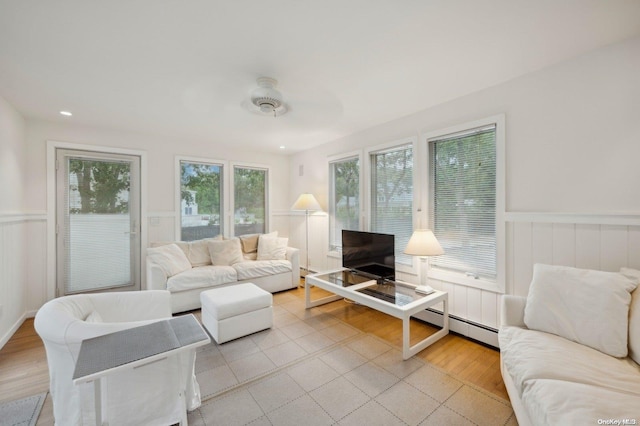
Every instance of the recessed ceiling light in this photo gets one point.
(66, 113)
(282, 147)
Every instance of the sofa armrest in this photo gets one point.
(512, 311)
(156, 278)
(293, 256)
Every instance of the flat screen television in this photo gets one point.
(369, 253)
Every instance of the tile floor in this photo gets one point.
(311, 368)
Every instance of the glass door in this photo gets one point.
(97, 222)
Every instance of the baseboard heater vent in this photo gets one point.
(473, 330)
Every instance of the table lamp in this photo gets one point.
(423, 244)
(308, 203)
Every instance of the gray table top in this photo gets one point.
(115, 349)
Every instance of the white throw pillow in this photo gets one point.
(634, 315)
(272, 248)
(196, 251)
(169, 258)
(585, 306)
(226, 252)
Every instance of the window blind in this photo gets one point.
(97, 226)
(392, 196)
(344, 200)
(463, 201)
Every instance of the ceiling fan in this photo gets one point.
(266, 100)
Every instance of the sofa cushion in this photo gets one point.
(584, 306)
(225, 253)
(261, 268)
(170, 258)
(551, 402)
(529, 355)
(200, 277)
(634, 315)
(272, 248)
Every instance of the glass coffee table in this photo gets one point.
(398, 299)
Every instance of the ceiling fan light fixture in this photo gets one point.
(267, 99)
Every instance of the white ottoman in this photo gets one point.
(235, 311)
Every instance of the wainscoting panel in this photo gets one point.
(13, 274)
(587, 246)
(592, 246)
(12, 271)
(614, 247)
(634, 247)
(36, 257)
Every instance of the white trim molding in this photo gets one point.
(624, 219)
(12, 217)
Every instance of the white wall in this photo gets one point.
(572, 146)
(14, 222)
(161, 214)
(161, 152)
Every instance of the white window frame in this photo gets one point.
(365, 176)
(231, 211)
(498, 285)
(178, 195)
(336, 159)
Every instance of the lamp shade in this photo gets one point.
(423, 243)
(306, 202)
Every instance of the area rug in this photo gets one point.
(313, 369)
(21, 412)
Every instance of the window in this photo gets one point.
(201, 200)
(344, 199)
(392, 195)
(249, 200)
(463, 201)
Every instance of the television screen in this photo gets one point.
(369, 253)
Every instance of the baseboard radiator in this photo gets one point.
(470, 329)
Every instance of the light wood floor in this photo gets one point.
(24, 371)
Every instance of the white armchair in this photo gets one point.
(146, 395)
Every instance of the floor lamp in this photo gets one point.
(422, 244)
(308, 203)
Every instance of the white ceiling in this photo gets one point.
(183, 68)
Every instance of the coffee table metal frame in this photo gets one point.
(402, 312)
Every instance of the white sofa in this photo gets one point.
(157, 388)
(570, 350)
(188, 268)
